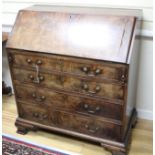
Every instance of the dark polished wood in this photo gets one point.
(69, 83)
(71, 102)
(74, 34)
(75, 73)
(87, 68)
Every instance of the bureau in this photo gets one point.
(74, 72)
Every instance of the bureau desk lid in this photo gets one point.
(89, 34)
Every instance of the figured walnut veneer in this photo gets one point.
(75, 73)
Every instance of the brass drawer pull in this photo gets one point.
(31, 77)
(38, 78)
(39, 116)
(38, 62)
(90, 129)
(43, 116)
(41, 78)
(123, 78)
(35, 114)
(87, 70)
(28, 61)
(98, 71)
(39, 98)
(86, 88)
(97, 109)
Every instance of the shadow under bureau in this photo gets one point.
(74, 72)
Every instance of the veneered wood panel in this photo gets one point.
(73, 35)
(69, 102)
(69, 83)
(103, 37)
(80, 67)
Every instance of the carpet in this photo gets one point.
(14, 146)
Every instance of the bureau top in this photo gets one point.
(104, 34)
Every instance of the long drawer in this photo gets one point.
(69, 121)
(78, 66)
(70, 102)
(70, 83)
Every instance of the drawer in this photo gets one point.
(70, 83)
(69, 102)
(85, 125)
(34, 113)
(98, 70)
(82, 67)
(31, 59)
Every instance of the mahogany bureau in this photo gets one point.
(74, 72)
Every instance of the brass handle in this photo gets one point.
(43, 116)
(38, 78)
(35, 115)
(123, 78)
(38, 62)
(92, 130)
(39, 98)
(40, 116)
(86, 107)
(98, 71)
(41, 78)
(98, 88)
(86, 88)
(29, 60)
(31, 76)
(93, 73)
(85, 69)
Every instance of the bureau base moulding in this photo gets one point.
(117, 148)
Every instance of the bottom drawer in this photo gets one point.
(86, 125)
(69, 121)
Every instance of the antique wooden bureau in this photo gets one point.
(74, 72)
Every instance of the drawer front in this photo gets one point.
(89, 68)
(31, 59)
(69, 121)
(83, 105)
(34, 113)
(96, 70)
(70, 83)
(85, 125)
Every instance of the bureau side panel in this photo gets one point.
(133, 63)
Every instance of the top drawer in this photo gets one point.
(81, 67)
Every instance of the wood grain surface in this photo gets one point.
(102, 37)
(142, 136)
